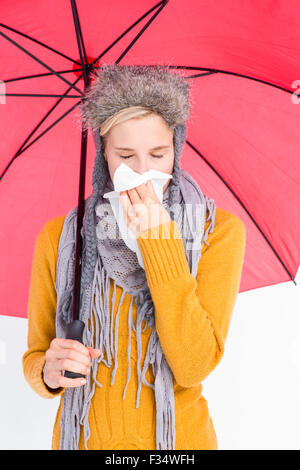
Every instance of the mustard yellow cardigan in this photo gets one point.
(192, 318)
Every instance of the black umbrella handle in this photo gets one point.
(74, 331)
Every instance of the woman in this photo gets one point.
(174, 314)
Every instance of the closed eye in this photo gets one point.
(128, 156)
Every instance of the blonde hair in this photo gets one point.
(121, 116)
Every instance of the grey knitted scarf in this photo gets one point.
(106, 259)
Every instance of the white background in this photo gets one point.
(253, 394)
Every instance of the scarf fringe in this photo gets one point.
(211, 207)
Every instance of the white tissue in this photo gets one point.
(125, 178)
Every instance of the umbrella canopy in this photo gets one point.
(243, 62)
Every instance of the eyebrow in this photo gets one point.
(154, 148)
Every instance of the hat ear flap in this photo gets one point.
(100, 171)
(179, 139)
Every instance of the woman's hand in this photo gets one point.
(142, 208)
(67, 354)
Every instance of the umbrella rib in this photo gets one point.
(201, 74)
(141, 32)
(40, 43)
(80, 42)
(227, 73)
(243, 206)
(40, 62)
(41, 75)
(164, 2)
(39, 95)
(19, 152)
(78, 32)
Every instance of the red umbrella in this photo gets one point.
(242, 147)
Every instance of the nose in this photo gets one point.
(140, 167)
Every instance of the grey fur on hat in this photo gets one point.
(116, 87)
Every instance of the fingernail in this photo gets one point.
(83, 381)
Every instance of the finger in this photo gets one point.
(134, 195)
(130, 208)
(143, 191)
(124, 198)
(72, 354)
(150, 187)
(125, 201)
(95, 352)
(147, 193)
(71, 344)
(71, 383)
(72, 366)
(152, 191)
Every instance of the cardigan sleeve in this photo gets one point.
(41, 314)
(192, 316)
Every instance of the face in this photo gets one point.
(133, 142)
